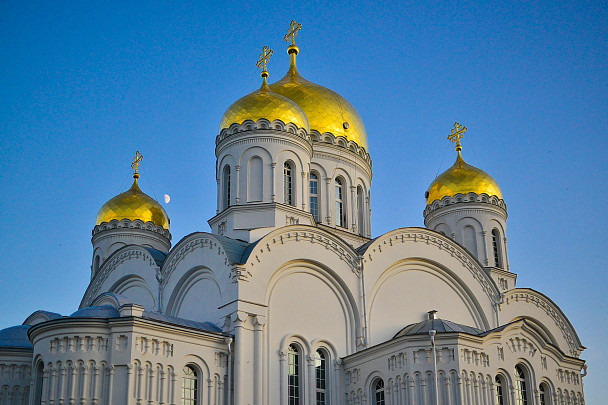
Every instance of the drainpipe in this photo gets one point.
(364, 303)
(229, 383)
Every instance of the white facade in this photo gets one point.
(284, 304)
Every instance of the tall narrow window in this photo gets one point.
(360, 214)
(226, 187)
(340, 212)
(496, 247)
(96, 265)
(288, 184)
(499, 390)
(39, 382)
(321, 377)
(521, 394)
(314, 196)
(189, 386)
(294, 376)
(543, 394)
(378, 392)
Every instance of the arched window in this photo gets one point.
(500, 390)
(360, 214)
(39, 382)
(314, 196)
(226, 187)
(340, 200)
(544, 395)
(378, 392)
(294, 376)
(321, 377)
(496, 247)
(521, 393)
(96, 264)
(189, 386)
(288, 197)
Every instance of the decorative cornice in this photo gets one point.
(287, 139)
(262, 123)
(530, 296)
(431, 238)
(341, 141)
(128, 224)
(463, 199)
(117, 258)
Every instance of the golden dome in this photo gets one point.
(264, 103)
(326, 110)
(133, 204)
(462, 178)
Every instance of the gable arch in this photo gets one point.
(135, 289)
(196, 296)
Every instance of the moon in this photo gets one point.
(167, 198)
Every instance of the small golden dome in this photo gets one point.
(326, 110)
(462, 178)
(264, 104)
(133, 204)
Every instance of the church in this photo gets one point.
(290, 299)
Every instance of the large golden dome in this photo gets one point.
(264, 103)
(133, 204)
(462, 178)
(326, 110)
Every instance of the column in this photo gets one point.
(219, 197)
(173, 383)
(273, 170)
(353, 210)
(485, 248)
(283, 371)
(304, 184)
(62, 379)
(53, 385)
(238, 184)
(72, 396)
(506, 258)
(241, 392)
(310, 381)
(448, 389)
(329, 209)
(85, 385)
(111, 385)
(161, 388)
(94, 383)
(258, 358)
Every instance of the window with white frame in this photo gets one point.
(226, 187)
(496, 247)
(521, 386)
(499, 388)
(294, 375)
(378, 392)
(314, 196)
(189, 386)
(288, 197)
(321, 377)
(340, 201)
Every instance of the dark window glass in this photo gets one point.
(293, 377)
(314, 196)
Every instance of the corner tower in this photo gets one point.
(465, 204)
(130, 218)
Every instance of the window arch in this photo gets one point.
(521, 386)
(96, 264)
(496, 248)
(360, 209)
(500, 390)
(294, 375)
(340, 203)
(378, 392)
(321, 381)
(314, 195)
(226, 186)
(190, 390)
(544, 394)
(39, 383)
(288, 184)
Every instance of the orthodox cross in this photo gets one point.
(135, 164)
(264, 57)
(294, 27)
(457, 132)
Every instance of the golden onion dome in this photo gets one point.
(264, 103)
(326, 110)
(133, 204)
(462, 178)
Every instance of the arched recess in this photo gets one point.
(135, 289)
(331, 316)
(196, 296)
(409, 288)
(443, 229)
(255, 179)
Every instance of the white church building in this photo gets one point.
(289, 299)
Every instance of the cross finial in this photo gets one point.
(264, 57)
(135, 165)
(294, 27)
(457, 132)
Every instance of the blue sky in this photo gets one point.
(84, 85)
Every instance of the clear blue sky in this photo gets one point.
(84, 85)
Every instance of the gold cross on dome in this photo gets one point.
(264, 57)
(457, 132)
(294, 27)
(136, 161)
